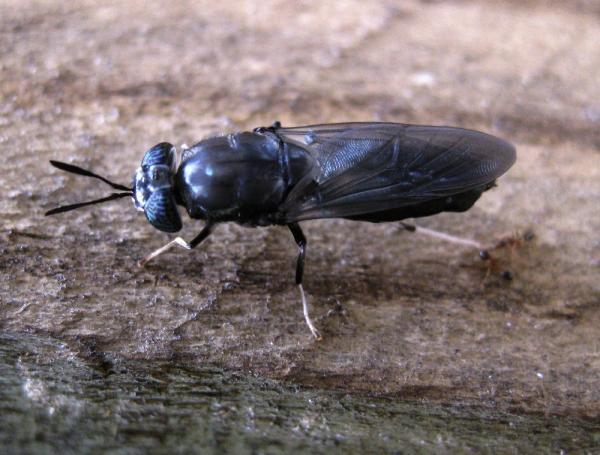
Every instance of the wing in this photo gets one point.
(365, 168)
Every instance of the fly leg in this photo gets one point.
(301, 242)
(485, 253)
(206, 231)
(447, 237)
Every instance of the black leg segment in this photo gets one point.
(204, 233)
(301, 242)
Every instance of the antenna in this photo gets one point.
(80, 171)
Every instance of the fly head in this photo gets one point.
(154, 188)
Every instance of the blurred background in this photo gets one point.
(419, 335)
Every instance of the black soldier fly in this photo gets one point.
(375, 172)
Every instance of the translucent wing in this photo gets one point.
(366, 168)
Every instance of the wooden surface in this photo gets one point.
(98, 83)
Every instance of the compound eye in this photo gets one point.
(161, 211)
(161, 154)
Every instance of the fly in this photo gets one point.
(375, 172)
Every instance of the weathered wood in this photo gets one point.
(401, 314)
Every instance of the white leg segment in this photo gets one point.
(177, 241)
(309, 322)
(449, 238)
